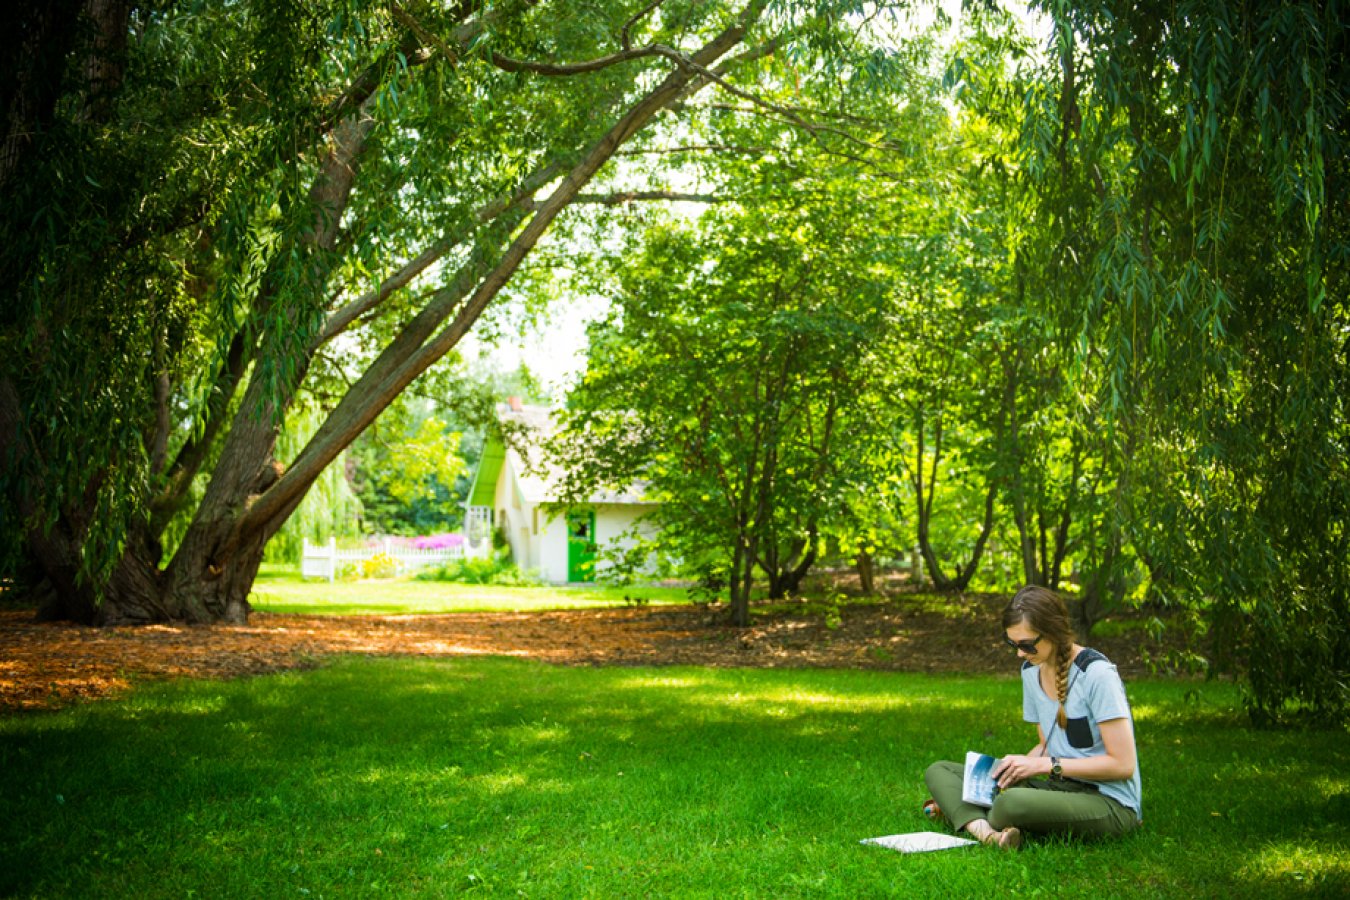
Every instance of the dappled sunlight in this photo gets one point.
(446, 758)
(1306, 865)
(525, 772)
(721, 688)
(667, 680)
(502, 782)
(374, 776)
(1211, 702)
(541, 733)
(878, 702)
(779, 702)
(48, 665)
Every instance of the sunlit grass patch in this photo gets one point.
(1309, 867)
(282, 591)
(506, 778)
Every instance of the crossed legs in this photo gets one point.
(1038, 806)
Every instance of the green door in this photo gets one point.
(581, 545)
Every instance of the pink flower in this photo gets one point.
(439, 541)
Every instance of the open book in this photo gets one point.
(978, 786)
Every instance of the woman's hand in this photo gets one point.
(1015, 768)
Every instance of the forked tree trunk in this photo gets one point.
(137, 593)
(199, 586)
(785, 576)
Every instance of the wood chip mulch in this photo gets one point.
(50, 665)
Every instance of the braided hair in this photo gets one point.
(1044, 612)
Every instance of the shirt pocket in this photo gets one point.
(1079, 733)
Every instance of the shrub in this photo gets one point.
(439, 541)
(381, 565)
(498, 571)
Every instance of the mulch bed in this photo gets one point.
(49, 665)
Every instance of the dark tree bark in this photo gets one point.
(866, 573)
(37, 38)
(786, 571)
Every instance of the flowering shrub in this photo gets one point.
(381, 565)
(439, 541)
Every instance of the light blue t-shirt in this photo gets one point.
(1096, 694)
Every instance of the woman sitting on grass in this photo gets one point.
(1082, 778)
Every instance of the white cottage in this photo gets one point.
(509, 490)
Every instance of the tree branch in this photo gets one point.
(696, 148)
(633, 20)
(564, 70)
(462, 35)
(342, 319)
(510, 64)
(619, 198)
(394, 370)
(193, 452)
(794, 116)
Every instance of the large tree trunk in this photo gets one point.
(203, 584)
(249, 494)
(36, 39)
(1031, 570)
(137, 593)
(215, 591)
(135, 581)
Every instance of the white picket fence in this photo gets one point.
(325, 561)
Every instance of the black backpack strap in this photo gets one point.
(1088, 657)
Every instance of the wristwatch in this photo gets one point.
(1056, 770)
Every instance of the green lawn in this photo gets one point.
(281, 590)
(510, 778)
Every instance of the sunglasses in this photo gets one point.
(1028, 646)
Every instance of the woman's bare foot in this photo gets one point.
(1008, 839)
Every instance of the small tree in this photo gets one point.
(725, 378)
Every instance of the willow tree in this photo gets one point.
(1200, 151)
(212, 207)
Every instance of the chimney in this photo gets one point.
(514, 403)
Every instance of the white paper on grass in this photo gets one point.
(918, 841)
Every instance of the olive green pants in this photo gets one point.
(1038, 805)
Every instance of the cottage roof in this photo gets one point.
(539, 478)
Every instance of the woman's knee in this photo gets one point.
(1013, 807)
(938, 772)
(935, 768)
